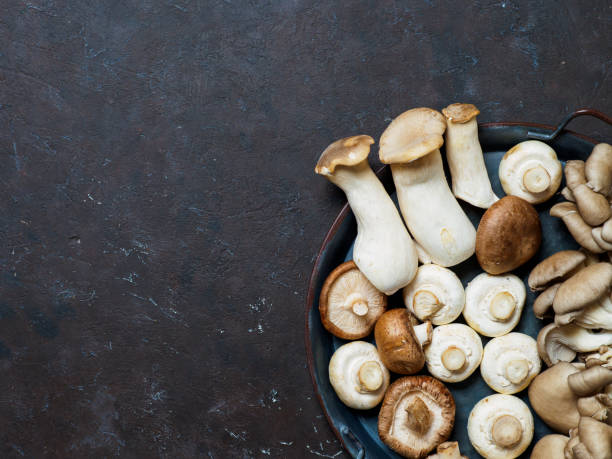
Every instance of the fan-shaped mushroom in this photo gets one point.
(593, 207)
(358, 376)
(435, 294)
(531, 171)
(510, 363)
(550, 447)
(509, 234)
(598, 169)
(578, 228)
(383, 251)
(434, 217)
(417, 414)
(500, 426)
(493, 304)
(349, 304)
(543, 303)
(554, 268)
(464, 155)
(562, 343)
(454, 353)
(593, 440)
(400, 344)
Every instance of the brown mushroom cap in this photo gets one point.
(417, 414)
(412, 135)
(586, 286)
(576, 225)
(598, 169)
(460, 113)
(544, 301)
(349, 304)
(551, 397)
(397, 342)
(550, 447)
(595, 437)
(508, 235)
(558, 266)
(348, 151)
(590, 381)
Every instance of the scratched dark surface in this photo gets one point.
(159, 214)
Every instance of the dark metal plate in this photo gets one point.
(357, 430)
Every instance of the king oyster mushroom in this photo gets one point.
(531, 171)
(493, 304)
(434, 217)
(435, 294)
(500, 426)
(508, 235)
(400, 343)
(454, 353)
(510, 363)
(417, 414)
(383, 251)
(358, 376)
(550, 447)
(561, 343)
(593, 207)
(464, 155)
(349, 304)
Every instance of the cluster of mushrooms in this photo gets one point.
(418, 411)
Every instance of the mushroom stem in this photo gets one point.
(502, 306)
(419, 417)
(423, 333)
(517, 371)
(425, 304)
(536, 179)
(360, 308)
(370, 376)
(453, 358)
(506, 431)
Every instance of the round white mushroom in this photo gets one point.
(530, 170)
(493, 304)
(454, 353)
(435, 294)
(500, 426)
(358, 376)
(510, 363)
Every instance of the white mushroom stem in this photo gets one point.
(506, 431)
(466, 163)
(536, 179)
(357, 304)
(425, 304)
(517, 370)
(453, 358)
(384, 251)
(370, 376)
(433, 215)
(423, 333)
(502, 306)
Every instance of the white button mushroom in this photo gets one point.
(358, 376)
(464, 155)
(493, 304)
(383, 251)
(510, 362)
(434, 217)
(435, 294)
(500, 426)
(530, 170)
(454, 353)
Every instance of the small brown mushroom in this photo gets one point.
(417, 414)
(550, 447)
(578, 228)
(508, 235)
(399, 343)
(543, 303)
(593, 207)
(594, 440)
(560, 265)
(590, 381)
(349, 304)
(598, 169)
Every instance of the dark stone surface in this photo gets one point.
(159, 213)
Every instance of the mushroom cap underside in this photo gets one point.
(460, 113)
(348, 151)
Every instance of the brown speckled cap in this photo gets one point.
(460, 113)
(348, 151)
(412, 135)
(417, 414)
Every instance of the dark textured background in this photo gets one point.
(159, 214)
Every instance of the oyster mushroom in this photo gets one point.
(434, 217)
(552, 399)
(543, 303)
(550, 447)
(508, 235)
(599, 239)
(417, 414)
(400, 344)
(593, 440)
(454, 353)
(598, 169)
(464, 155)
(530, 170)
(593, 207)
(578, 228)
(383, 251)
(448, 450)
(558, 266)
(349, 304)
(435, 294)
(562, 343)
(510, 363)
(493, 304)
(602, 356)
(500, 426)
(358, 376)
(590, 381)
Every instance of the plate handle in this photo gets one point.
(581, 112)
(349, 438)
